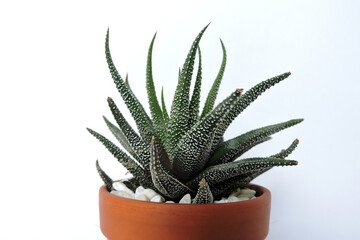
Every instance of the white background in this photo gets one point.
(54, 83)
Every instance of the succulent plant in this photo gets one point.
(184, 151)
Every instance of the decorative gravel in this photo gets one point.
(147, 194)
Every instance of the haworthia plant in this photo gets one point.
(184, 151)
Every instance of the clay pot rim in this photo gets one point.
(262, 193)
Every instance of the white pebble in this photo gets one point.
(157, 198)
(236, 192)
(139, 190)
(243, 198)
(142, 197)
(233, 199)
(247, 192)
(186, 199)
(119, 186)
(245, 195)
(169, 202)
(122, 194)
(149, 193)
(221, 201)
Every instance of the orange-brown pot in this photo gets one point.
(122, 218)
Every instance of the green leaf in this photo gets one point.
(120, 136)
(179, 114)
(218, 173)
(164, 110)
(195, 99)
(284, 153)
(194, 148)
(255, 143)
(204, 194)
(107, 180)
(131, 183)
(155, 109)
(226, 187)
(234, 148)
(221, 144)
(139, 147)
(134, 168)
(164, 182)
(246, 99)
(254, 175)
(141, 118)
(242, 180)
(210, 100)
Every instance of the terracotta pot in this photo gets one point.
(122, 218)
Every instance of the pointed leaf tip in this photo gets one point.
(153, 39)
(109, 99)
(106, 179)
(204, 194)
(297, 141)
(240, 90)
